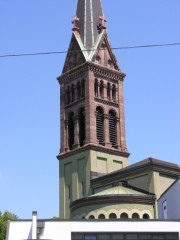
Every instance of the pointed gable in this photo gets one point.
(74, 56)
(104, 55)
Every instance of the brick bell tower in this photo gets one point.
(93, 139)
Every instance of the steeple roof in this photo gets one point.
(88, 12)
(89, 37)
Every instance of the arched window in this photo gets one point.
(124, 216)
(101, 216)
(135, 215)
(112, 216)
(71, 130)
(91, 217)
(112, 128)
(83, 88)
(83, 217)
(78, 90)
(108, 90)
(101, 89)
(72, 93)
(81, 127)
(68, 95)
(145, 216)
(114, 92)
(100, 125)
(96, 88)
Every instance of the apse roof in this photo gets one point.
(118, 190)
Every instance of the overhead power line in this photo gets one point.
(63, 52)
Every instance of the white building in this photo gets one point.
(169, 202)
(93, 229)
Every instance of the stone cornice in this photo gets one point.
(99, 70)
(92, 147)
(100, 100)
(74, 103)
(113, 199)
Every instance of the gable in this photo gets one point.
(74, 56)
(104, 55)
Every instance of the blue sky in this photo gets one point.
(29, 91)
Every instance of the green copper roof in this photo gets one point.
(118, 190)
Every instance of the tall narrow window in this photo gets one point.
(108, 90)
(83, 88)
(114, 92)
(112, 128)
(100, 125)
(72, 93)
(68, 95)
(78, 90)
(96, 88)
(82, 130)
(101, 89)
(71, 130)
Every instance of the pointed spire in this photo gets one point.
(90, 15)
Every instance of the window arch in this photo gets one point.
(100, 125)
(82, 130)
(101, 89)
(71, 130)
(108, 90)
(145, 216)
(135, 216)
(114, 92)
(112, 128)
(83, 88)
(91, 217)
(96, 87)
(101, 216)
(112, 216)
(72, 93)
(124, 215)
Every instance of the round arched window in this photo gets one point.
(101, 216)
(145, 216)
(91, 217)
(112, 216)
(135, 215)
(124, 216)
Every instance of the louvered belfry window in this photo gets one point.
(112, 128)
(71, 130)
(81, 127)
(100, 125)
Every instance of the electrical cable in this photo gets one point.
(63, 52)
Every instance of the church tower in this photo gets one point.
(93, 141)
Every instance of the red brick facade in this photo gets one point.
(87, 86)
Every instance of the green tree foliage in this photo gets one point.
(4, 217)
